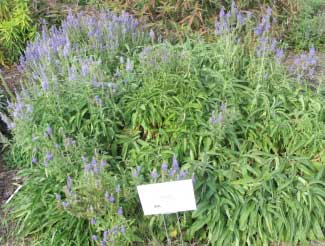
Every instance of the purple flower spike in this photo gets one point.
(135, 173)
(175, 165)
(105, 235)
(96, 170)
(182, 174)
(223, 107)
(164, 166)
(123, 230)
(222, 13)
(154, 174)
(65, 204)
(240, 19)
(111, 199)
(93, 161)
(220, 118)
(98, 101)
(49, 156)
(45, 85)
(312, 51)
(69, 183)
(103, 243)
(34, 160)
(93, 221)
(94, 237)
(128, 65)
(115, 230)
(57, 197)
(87, 168)
(120, 211)
(103, 163)
(172, 172)
(48, 131)
(279, 54)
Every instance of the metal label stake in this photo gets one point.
(166, 231)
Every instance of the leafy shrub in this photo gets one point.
(307, 28)
(102, 98)
(16, 28)
(93, 45)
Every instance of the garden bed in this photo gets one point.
(106, 105)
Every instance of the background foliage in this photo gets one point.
(308, 26)
(300, 23)
(16, 28)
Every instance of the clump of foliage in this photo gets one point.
(16, 28)
(308, 26)
(105, 106)
(176, 19)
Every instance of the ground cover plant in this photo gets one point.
(107, 105)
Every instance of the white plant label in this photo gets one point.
(167, 197)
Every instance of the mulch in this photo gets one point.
(7, 188)
(7, 178)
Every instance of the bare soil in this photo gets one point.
(7, 188)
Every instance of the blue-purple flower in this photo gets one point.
(136, 172)
(105, 235)
(103, 163)
(48, 131)
(175, 164)
(109, 197)
(128, 65)
(93, 221)
(123, 230)
(120, 211)
(65, 204)
(154, 174)
(69, 183)
(57, 197)
(34, 160)
(182, 174)
(164, 166)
